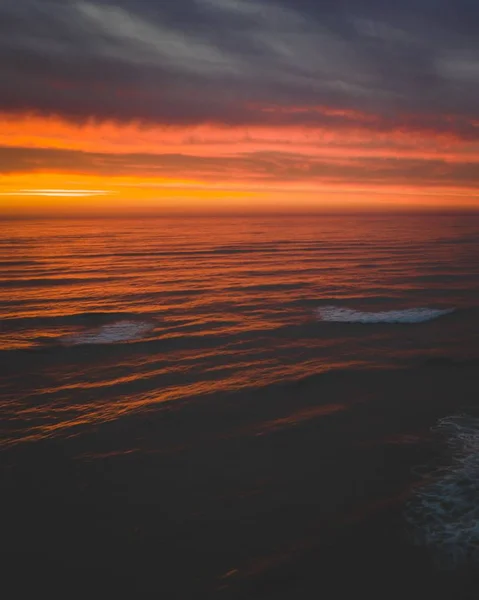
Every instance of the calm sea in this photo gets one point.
(101, 318)
(108, 325)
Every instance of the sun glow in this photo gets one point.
(55, 192)
(52, 166)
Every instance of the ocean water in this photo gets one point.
(159, 310)
(126, 341)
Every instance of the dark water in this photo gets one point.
(206, 407)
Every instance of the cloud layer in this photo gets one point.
(255, 90)
(192, 61)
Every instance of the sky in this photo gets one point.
(125, 106)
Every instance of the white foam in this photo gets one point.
(121, 331)
(444, 513)
(338, 314)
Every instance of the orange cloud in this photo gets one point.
(55, 165)
(30, 131)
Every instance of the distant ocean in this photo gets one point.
(111, 327)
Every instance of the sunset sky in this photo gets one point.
(126, 106)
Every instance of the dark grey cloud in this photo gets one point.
(192, 61)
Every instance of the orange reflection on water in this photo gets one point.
(224, 305)
(298, 417)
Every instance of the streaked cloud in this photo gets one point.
(267, 167)
(61, 193)
(194, 61)
(357, 92)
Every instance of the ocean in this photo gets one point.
(245, 407)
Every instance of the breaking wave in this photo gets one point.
(338, 314)
(121, 331)
(444, 513)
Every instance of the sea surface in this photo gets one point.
(137, 356)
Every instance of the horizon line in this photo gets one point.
(409, 211)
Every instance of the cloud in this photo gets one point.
(265, 167)
(132, 39)
(197, 61)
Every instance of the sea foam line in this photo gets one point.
(444, 513)
(121, 331)
(338, 314)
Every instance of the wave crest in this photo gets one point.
(121, 331)
(444, 514)
(338, 314)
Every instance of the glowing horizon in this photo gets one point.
(170, 118)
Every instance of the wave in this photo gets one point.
(337, 314)
(444, 514)
(85, 319)
(50, 281)
(19, 263)
(121, 331)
